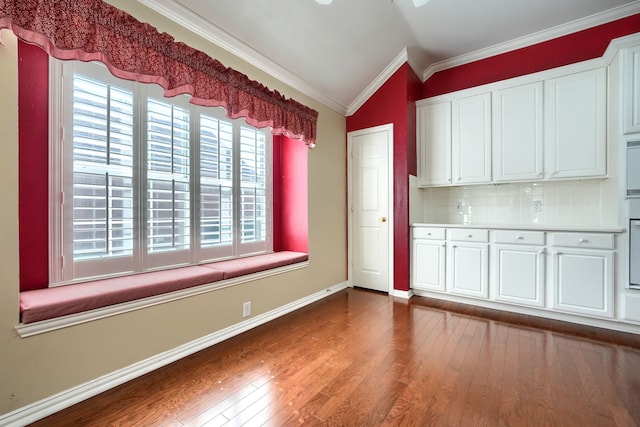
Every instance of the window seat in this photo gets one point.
(43, 304)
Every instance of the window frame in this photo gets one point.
(62, 267)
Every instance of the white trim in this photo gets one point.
(618, 44)
(211, 32)
(36, 328)
(377, 83)
(390, 215)
(576, 67)
(402, 294)
(69, 397)
(535, 38)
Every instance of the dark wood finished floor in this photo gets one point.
(360, 358)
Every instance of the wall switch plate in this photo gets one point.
(246, 309)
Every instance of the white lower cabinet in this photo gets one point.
(568, 272)
(583, 273)
(518, 267)
(428, 260)
(468, 262)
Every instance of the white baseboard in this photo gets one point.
(67, 398)
(401, 294)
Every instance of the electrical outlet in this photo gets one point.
(537, 206)
(246, 309)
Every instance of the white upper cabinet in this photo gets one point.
(518, 153)
(576, 125)
(434, 143)
(632, 90)
(547, 126)
(471, 139)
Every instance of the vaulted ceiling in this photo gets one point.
(334, 52)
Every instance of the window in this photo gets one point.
(142, 182)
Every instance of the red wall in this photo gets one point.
(580, 46)
(33, 166)
(290, 209)
(394, 103)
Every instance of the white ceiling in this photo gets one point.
(334, 53)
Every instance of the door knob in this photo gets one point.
(383, 219)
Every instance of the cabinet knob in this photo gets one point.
(469, 235)
(519, 237)
(582, 240)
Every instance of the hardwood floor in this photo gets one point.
(360, 358)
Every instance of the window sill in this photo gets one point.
(49, 309)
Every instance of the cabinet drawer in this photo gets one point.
(428, 233)
(468, 235)
(583, 240)
(519, 237)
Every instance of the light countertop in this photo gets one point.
(533, 227)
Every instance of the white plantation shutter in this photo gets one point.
(253, 190)
(144, 182)
(168, 177)
(216, 186)
(102, 150)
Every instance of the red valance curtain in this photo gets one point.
(92, 30)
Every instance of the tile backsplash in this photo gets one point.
(586, 202)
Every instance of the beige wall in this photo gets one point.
(37, 367)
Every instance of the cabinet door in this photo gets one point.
(518, 274)
(471, 139)
(518, 133)
(575, 123)
(428, 265)
(583, 281)
(631, 90)
(434, 144)
(468, 265)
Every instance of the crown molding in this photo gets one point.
(211, 32)
(377, 83)
(620, 43)
(535, 38)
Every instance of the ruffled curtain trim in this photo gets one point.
(92, 30)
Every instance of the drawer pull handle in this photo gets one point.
(519, 237)
(582, 240)
(469, 235)
(428, 234)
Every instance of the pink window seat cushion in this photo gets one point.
(253, 264)
(42, 304)
(48, 303)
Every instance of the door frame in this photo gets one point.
(390, 215)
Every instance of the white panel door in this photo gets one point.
(468, 265)
(434, 144)
(471, 139)
(518, 133)
(370, 207)
(518, 274)
(583, 281)
(576, 125)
